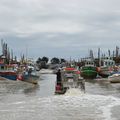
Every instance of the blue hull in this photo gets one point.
(31, 79)
(10, 77)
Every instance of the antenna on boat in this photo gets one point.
(99, 57)
(2, 45)
(26, 53)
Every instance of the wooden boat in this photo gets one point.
(28, 74)
(70, 79)
(104, 72)
(89, 71)
(8, 71)
(30, 77)
(106, 68)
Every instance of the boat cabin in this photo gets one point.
(107, 63)
(4, 67)
(89, 63)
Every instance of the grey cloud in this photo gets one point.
(60, 28)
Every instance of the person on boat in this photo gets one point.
(29, 71)
(58, 77)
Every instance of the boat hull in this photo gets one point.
(31, 79)
(114, 79)
(9, 75)
(28, 78)
(88, 72)
(104, 74)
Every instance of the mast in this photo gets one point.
(117, 51)
(99, 58)
(26, 54)
(2, 45)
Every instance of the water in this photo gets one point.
(24, 101)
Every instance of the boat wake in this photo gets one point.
(74, 91)
(71, 106)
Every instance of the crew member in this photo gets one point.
(58, 77)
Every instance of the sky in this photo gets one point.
(60, 28)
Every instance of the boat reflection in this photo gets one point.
(33, 89)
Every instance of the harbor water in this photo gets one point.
(24, 101)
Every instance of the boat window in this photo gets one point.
(2, 67)
(112, 63)
(10, 68)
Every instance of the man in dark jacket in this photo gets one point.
(58, 77)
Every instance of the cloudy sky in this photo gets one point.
(60, 28)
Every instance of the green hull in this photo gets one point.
(89, 72)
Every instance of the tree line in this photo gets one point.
(43, 62)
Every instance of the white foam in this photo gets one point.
(21, 102)
(74, 91)
(86, 106)
(107, 109)
(103, 103)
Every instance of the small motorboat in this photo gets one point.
(70, 78)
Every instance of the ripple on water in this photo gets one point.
(75, 106)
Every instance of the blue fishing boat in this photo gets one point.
(28, 75)
(8, 71)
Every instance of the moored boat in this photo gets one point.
(8, 71)
(28, 78)
(89, 70)
(106, 67)
(28, 75)
(104, 72)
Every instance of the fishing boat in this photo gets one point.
(106, 67)
(8, 71)
(89, 70)
(28, 75)
(31, 79)
(70, 78)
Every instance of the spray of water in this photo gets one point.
(74, 92)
